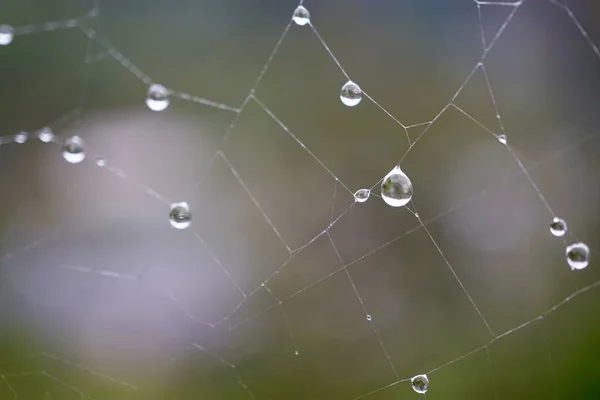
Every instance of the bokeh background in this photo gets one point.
(101, 298)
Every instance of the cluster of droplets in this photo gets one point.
(576, 254)
(350, 94)
(396, 188)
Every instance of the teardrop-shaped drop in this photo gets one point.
(396, 188)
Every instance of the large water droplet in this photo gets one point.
(396, 188)
(180, 216)
(362, 195)
(301, 16)
(7, 34)
(21, 137)
(157, 98)
(46, 135)
(558, 227)
(420, 383)
(578, 255)
(351, 94)
(73, 150)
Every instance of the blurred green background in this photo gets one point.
(100, 298)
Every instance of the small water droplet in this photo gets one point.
(420, 383)
(157, 98)
(396, 188)
(351, 94)
(180, 216)
(362, 195)
(301, 16)
(368, 317)
(7, 34)
(73, 150)
(21, 137)
(578, 256)
(296, 352)
(558, 227)
(46, 135)
(101, 162)
(502, 139)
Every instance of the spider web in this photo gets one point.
(284, 286)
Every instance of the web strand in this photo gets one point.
(362, 304)
(462, 286)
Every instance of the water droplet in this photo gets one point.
(368, 317)
(21, 137)
(420, 383)
(7, 34)
(578, 255)
(101, 162)
(73, 150)
(362, 195)
(180, 216)
(396, 188)
(301, 16)
(46, 135)
(558, 227)
(502, 139)
(296, 352)
(157, 98)
(351, 94)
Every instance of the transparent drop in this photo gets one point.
(351, 94)
(558, 227)
(396, 188)
(101, 162)
(420, 383)
(362, 195)
(296, 352)
(301, 16)
(502, 139)
(7, 34)
(578, 255)
(368, 317)
(180, 216)
(46, 135)
(21, 137)
(157, 98)
(73, 150)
